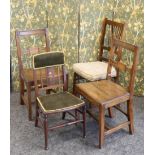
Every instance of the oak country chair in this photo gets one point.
(26, 72)
(93, 71)
(109, 93)
(53, 76)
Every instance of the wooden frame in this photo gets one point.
(103, 94)
(24, 74)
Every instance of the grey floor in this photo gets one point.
(28, 140)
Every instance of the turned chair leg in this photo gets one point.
(130, 116)
(46, 132)
(37, 115)
(101, 125)
(84, 121)
(29, 102)
(21, 91)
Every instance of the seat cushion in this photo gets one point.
(59, 102)
(48, 59)
(93, 71)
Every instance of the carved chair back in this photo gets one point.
(25, 50)
(49, 72)
(110, 29)
(120, 50)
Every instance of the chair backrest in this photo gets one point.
(110, 29)
(116, 60)
(49, 72)
(25, 53)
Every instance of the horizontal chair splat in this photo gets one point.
(52, 87)
(31, 32)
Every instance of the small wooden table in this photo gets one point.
(103, 94)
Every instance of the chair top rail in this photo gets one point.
(31, 32)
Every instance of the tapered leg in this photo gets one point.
(101, 125)
(21, 91)
(29, 102)
(84, 121)
(110, 112)
(75, 93)
(46, 132)
(37, 114)
(63, 115)
(130, 116)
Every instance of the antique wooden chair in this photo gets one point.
(25, 62)
(93, 71)
(109, 93)
(53, 76)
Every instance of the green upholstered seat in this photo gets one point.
(48, 59)
(59, 102)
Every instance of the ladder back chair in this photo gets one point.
(53, 76)
(93, 71)
(24, 55)
(109, 93)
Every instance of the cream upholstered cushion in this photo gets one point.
(93, 71)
